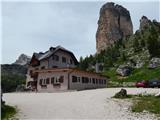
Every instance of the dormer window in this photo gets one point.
(64, 60)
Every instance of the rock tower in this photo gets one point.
(114, 24)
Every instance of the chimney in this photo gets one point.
(51, 48)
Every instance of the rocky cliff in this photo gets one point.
(144, 23)
(114, 24)
(22, 60)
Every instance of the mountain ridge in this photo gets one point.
(22, 60)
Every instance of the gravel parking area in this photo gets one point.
(87, 104)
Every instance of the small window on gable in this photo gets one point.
(64, 60)
(55, 57)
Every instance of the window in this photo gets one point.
(74, 79)
(93, 80)
(52, 80)
(71, 62)
(96, 81)
(85, 79)
(64, 60)
(79, 79)
(56, 83)
(47, 81)
(99, 81)
(90, 80)
(44, 81)
(61, 79)
(57, 80)
(104, 81)
(40, 81)
(55, 57)
(43, 67)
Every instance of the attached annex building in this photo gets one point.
(55, 70)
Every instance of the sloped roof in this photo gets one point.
(41, 56)
(68, 70)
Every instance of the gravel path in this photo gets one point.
(88, 104)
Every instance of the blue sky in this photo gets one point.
(29, 27)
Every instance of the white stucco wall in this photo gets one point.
(50, 87)
(90, 85)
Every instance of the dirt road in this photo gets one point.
(88, 104)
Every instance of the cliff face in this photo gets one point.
(114, 24)
(144, 23)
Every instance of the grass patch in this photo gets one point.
(7, 112)
(143, 74)
(142, 103)
(149, 103)
(136, 75)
